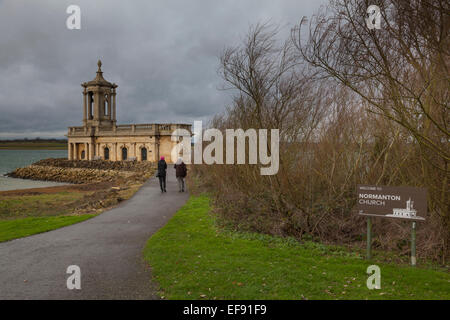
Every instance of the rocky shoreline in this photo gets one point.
(77, 172)
(96, 164)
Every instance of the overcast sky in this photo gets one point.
(162, 54)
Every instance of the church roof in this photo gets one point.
(99, 80)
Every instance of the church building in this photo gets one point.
(101, 138)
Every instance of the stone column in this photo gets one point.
(113, 104)
(84, 106)
(109, 106)
(114, 153)
(86, 156)
(69, 151)
(97, 104)
(75, 151)
(156, 150)
(91, 151)
(133, 149)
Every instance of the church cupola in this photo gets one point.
(99, 101)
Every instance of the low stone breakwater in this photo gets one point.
(96, 164)
(61, 170)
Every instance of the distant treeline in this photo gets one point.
(37, 143)
(39, 140)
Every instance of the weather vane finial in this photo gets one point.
(99, 63)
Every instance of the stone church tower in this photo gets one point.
(101, 138)
(99, 101)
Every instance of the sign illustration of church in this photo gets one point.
(408, 212)
(101, 138)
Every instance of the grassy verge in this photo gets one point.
(38, 205)
(192, 259)
(18, 228)
(24, 215)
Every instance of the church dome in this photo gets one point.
(99, 80)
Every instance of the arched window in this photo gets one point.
(106, 153)
(124, 153)
(90, 105)
(144, 154)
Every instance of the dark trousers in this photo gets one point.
(180, 183)
(162, 182)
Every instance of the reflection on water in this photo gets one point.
(12, 159)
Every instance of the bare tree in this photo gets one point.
(400, 72)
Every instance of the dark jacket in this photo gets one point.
(180, 170)
(162, 166)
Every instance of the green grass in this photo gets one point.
(52, 204)
(18, 228)
(192, 259)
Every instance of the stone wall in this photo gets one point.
(62, 170)
(96, 164)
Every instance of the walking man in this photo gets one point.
(180, 172)
(162, 166)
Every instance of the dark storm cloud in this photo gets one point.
(162, 54)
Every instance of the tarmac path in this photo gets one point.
(107, 248)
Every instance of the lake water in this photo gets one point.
(12, 159)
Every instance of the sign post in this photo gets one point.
(413, 244)
(405, 203)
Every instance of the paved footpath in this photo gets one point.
(107, 248)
